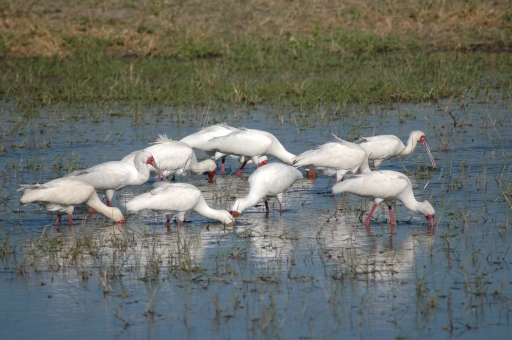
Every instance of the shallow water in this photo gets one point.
(312, 273)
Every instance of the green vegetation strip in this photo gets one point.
(193, 53)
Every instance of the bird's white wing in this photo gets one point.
(241, 143)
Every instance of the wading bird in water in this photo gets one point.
(171, 199)
(250, 143)
(271, 180)
(196, 140)
(384, 186)
(175, 157)
(338, 157)
(111, 176)
(63, 194)
(382, 147)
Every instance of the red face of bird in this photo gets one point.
(120, 222)
(235, 213)
(423, 140)
(431, 222)
(211, 175)
(312, 174)
(151, 161)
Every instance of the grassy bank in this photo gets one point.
(304, 53)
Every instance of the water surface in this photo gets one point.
(311, 273)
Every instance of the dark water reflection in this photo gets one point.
(313, 272)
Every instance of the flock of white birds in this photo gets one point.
(348, 161)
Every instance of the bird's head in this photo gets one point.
(238, 207)
(211, 175)
(117, 216)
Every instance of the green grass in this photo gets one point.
(195, 53)
(309, 78)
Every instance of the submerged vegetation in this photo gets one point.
(298, 52)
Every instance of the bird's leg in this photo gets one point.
(223, 165)
(391, 217)
(266, 207)
(180, 223)
(367, 221)
(239, 173)
(109, 203)
(57, 221)
(168, 222)
(70, 220)
(280, 209)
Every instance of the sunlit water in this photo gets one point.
(311, 273)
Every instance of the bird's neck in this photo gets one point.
(95, 203)
(411, 145)
(411, 203)
(281, 153)
(244, 203)
(201, 167)
(364, 167)
(203, 209)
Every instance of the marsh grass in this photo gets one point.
(193, 53)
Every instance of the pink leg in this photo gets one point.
(109, 203)
(367, 221)
(280, 209)
(239, 173)
(70, 219)
(180, 223)
(223, 166)
(57, 221)
(266, 207)
(391, 217)
(168, 222)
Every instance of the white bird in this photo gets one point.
(251, 144)
(111, 176)
(384, 186)
(198, 139)
(63, 194)
(338, 157)
(271, 180)
(382, 147)
(175, 157)
(177, 199)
